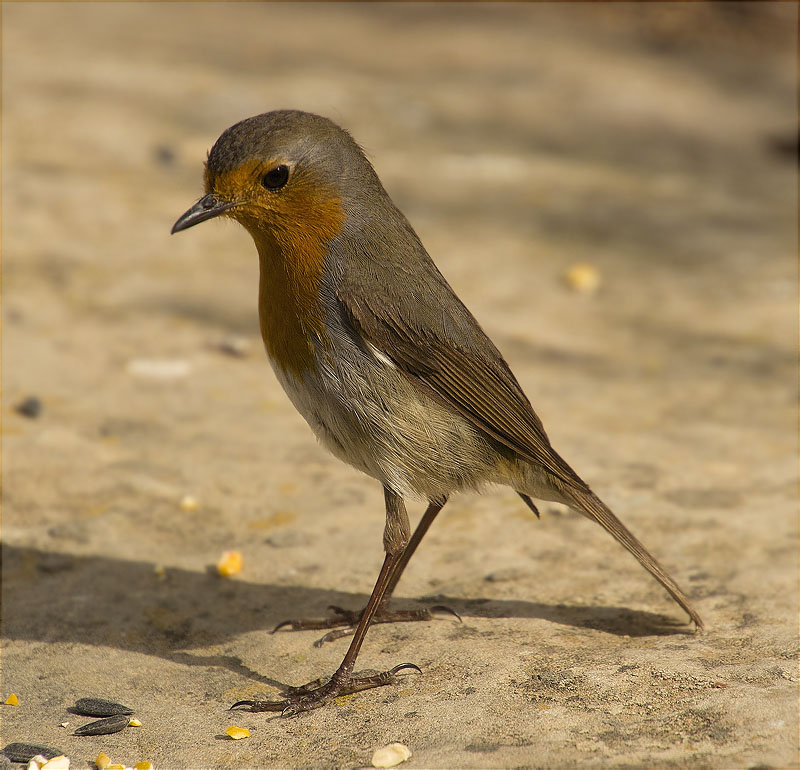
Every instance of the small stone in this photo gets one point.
(505, 574)
(30, 407)
(391, 755)
(238, 347)
(164, 154)
(159, 368)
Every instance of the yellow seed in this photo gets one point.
(134, 723)
(188, 503)
(12, 700)
(144, 765)
(230, 564)
(391, 755)
(61, 762)
(116, 767)
(583, 278)
(237, 733)
(102, 761)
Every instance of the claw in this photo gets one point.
(336, 610)
(401, 666)
(443, 608)
(261, 705)
(332, 636)
(282, 625)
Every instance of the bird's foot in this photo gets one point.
(317, 693)
(343, 622)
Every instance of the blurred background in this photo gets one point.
(610, 187)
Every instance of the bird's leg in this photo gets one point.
(313, 695)
(344, 621)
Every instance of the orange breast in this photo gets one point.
(292, 253)
(291, 229)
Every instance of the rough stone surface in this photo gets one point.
(652, 142)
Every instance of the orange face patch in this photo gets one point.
(291, 228)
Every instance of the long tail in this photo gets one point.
(587, 503)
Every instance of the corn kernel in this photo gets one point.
(230, 564)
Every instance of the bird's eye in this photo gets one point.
(276, 178)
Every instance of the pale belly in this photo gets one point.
(372, 417)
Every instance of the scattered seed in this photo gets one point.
(583, 278)
(104, 726)
(188, 503)
(64, 724)
(98, 707)
(60, 762)
(237, 733)
(12, 700)
(37, 762)
(144, 765)
(391, 755)
(230, 564)
(134, 723)
(24, 752)
(102, 761)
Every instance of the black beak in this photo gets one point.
(206, 208)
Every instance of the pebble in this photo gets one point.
(30, 407)
(238, 347)
(159, 368)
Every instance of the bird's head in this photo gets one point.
(286, 176)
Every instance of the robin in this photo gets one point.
(379, 355)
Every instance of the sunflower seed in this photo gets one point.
(104, 726)
(23, 752)
(97, 707)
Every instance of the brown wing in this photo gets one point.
(451, 357)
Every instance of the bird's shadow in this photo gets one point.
(130, 605)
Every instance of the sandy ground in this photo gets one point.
(653, 143)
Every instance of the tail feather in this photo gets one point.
(587, 503)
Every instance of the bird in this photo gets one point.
(376, 351)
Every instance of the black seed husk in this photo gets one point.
(98, 707)
(104, 726)
(24, 752)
